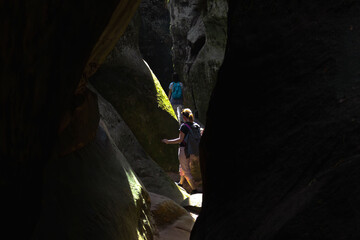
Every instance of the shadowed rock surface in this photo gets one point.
(151, 174)
(94, 194)
(126, 82)
(292, 70)
(155, 40)
(45, 47)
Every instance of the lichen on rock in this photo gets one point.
(93, 193)
(162, 99)
(126, 82)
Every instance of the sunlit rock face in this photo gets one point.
(199, 31)
(150, 173)
(45, 48)
(93, 193)
(128, 83)
(290, 166)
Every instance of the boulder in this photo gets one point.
(127, 82)
(45, 46)
(172, 220)
(193, 203)
(94, 194)
(151, 174)
(165, 211)
(180, 230)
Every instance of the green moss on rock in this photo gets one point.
(126, 82)
(94, 194)
(134, 97)
(162, 98)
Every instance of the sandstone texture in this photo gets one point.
(94, 194)
(151, 174)
(199, 32)
(290, 170)
(128, 83)
(172, 220)
(45, 47)
(292, 70)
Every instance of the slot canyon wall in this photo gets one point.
(155, 40)
(73, 167)
(127, 83)
(288, 163)
(50, 190)
(199, 30)
(288, 166)
(137, 113)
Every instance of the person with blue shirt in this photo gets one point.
(176, 96)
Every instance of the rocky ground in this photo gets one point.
(174, 221)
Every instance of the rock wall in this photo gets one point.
(155, 40)
(291, 172)
(151, 174)
(93, 193)
(127, 82)
(44, 50)
(199, 31)
(292, 70)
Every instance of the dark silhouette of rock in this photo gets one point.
(45, 48)
(155, 40)
(290, 166)
(93, 193)
(151, 174)
(128, 83)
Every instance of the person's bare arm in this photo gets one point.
(175, 140)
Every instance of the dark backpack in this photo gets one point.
(192, 140)
(176, 91)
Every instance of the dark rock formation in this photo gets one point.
(126, 82)
(198, 29)
(291, 166)
(45, 47)
(79, 128)
(94, 194)
(151, 174)
(173, 221)
(155, 39)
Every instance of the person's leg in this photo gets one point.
(185, 166)
(179, 109)
(182, 175)
(176, 108)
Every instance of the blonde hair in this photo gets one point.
(188, 114)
